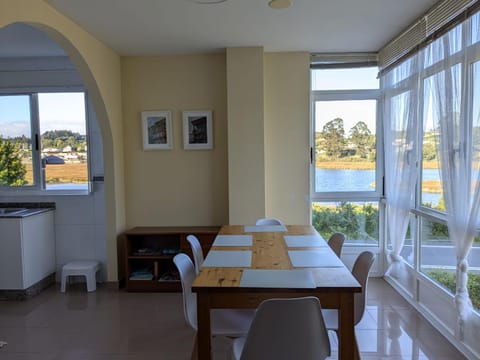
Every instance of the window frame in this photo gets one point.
(346, 95)
(467, 58)
(39, 185)
(375, 195)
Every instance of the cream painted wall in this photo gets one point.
(175, 187)
(181, 187)
(99, 68)
(287, 128)
(246, 148)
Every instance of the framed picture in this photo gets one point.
(157, 130)
(197, 130)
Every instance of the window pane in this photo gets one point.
(473, 284)
(455, 39)
(476, 119)
(345, 153)
(435, 52)
(407, 251)
(64, 140)
(16, 144)
(357, 220)
(438, 260)
(432, 191)
(437, 254)
(345, 79)
(475, 21)
(474, 257)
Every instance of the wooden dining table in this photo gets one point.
(220, 285)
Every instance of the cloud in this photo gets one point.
(14, 129)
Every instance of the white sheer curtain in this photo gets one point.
(454, 88)
(400, 113)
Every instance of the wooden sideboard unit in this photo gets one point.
(149, 253)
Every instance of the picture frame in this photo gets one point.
(157, 130)
(197, 130)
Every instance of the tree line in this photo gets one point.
(333, 143)
(62, 138)
(57, 139)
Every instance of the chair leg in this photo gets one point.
(63, 282)
(195, 348)
(91, 280)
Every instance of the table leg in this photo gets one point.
(347, 344)
(203, 324)
(357, 351)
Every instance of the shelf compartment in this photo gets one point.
(153, 249)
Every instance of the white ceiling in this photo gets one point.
(149, 27)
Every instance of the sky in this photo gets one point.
(345, 79)
(57, 111)
(351, 111)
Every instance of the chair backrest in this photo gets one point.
(361, 269)
(287, 329)
(197, 252)
(269, 221)
(336, 243)
(187, 275)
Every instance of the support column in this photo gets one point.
(246, 144)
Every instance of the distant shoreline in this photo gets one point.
(361, 165)
(429, 186)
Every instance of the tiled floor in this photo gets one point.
(115, 325)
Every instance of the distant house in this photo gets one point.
(54, 160)
(50, 150)
(68, 148)
(70, 156)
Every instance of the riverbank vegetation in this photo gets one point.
(448, 281)
(356, 221)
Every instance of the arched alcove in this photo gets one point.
(90, 229)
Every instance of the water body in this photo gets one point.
(327, 180)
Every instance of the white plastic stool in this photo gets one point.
(87, 268)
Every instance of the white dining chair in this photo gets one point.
(269, 221)
(197, 252)
(285, 329)
(336, 243)
(361, 269)
(225, 322)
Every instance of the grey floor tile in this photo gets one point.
(116, 325)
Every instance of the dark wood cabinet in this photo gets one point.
(149, 253)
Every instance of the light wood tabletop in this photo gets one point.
(220, 286)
